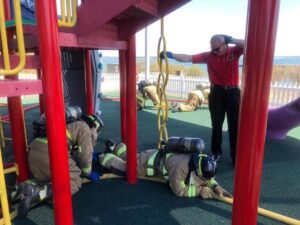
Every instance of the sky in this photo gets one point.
(189, 28)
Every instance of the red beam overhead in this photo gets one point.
(94, 13)
(132, 25)
(93, 40)
(167, 6)
(10, 88)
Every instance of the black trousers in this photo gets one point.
(224, 101)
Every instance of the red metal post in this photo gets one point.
(16, 114)
(122, 63)
(54, 110)
(89, 82)
(41, 96)
(7, 10)
(259, 53)
(131, 138)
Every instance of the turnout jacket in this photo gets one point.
(80, 158)
(174, 167)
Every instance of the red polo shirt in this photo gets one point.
(224, 69)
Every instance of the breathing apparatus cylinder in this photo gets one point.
(184, 145)
(73, 113)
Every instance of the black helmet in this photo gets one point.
(94, 121)
(39, 128)
(141, 85)
(205, 166)
(73, 113)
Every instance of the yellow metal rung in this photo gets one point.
(70, 19)
(13, 214)
(20, 40)
(3, 196)
(12, 169)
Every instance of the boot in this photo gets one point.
(30, 194)
(120, 151)
(109, 146)
(114, 164)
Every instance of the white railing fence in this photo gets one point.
(281, 93)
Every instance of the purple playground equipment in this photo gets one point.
(282, 119)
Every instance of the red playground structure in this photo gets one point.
(111, 25)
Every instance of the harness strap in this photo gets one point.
(191, 168)
(153, 164)
(72, 146)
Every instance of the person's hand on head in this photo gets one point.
(227, 39)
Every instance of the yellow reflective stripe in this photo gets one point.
(168, 155)
(191, 189)
(43, 140)
(69, 135)
(150, 171)
(182, 184)
(121, 151)
(107, 157)
(97, 124)
(199, 164)
(86, 170)
(212, 182)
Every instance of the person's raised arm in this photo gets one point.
(177, 57)
(238, 42)
(230, 40)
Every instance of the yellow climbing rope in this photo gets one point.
(162, 81)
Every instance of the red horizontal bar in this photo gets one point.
(102, 39)
(89, 17)
(10, 88)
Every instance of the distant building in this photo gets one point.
(112, 68)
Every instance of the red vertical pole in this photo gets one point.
(122, 63)
(16, 114)
(54, 110)
(41, 96)
(259, 53)
(131, 111)
(7, 10)
(89, 82)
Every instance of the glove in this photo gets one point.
(94, 177)
(221, 192)
(168, 54)
(227, 39)
(207, 193)
(96, 156)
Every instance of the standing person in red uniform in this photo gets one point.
(223, 71)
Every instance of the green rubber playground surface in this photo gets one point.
(115, 202)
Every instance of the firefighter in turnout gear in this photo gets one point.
(195, 99)
(189, 174)
(146, 90)
(81, 137)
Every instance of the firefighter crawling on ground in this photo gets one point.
(146, 90)
(189, 172)
(195, 99)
